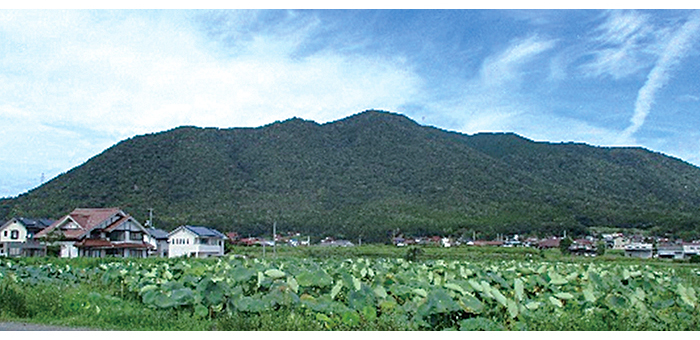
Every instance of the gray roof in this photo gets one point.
(205, 231)
(157, 233)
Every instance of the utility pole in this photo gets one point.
(274, 238)
(150, 218)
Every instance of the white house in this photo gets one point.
(195, 241)
(640, 250)
(669, 251)
(690, 249)
(17, 237)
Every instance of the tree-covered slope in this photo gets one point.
(370, 173)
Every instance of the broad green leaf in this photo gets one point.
(532, 305)
(200, 311)
(455, 287)
(336, 289)
(519, 289)
(564, 296)
(147, 288)
(588, 295)
(261, 277)
(356, 283)
(421, 292)
(476, 285)
(369, 313)
(380, 292)
(351, 318)
(512, 309)
(293, 285)
(275, 273)
(314, 278)
(499, 296)
(556, 302)
(471, 304)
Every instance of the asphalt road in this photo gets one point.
(22, 326)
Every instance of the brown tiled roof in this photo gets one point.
(86, 218)
(117, 223)
(549, 243)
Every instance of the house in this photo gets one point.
(549, 243)
(583, 246)
(640, 250)
(482, 243)
(233, 237)
(88, 232)
(196, 241)
(158, 239)
(330, 242)
(620, 243)
(669, 251)
(17, 237)
(691, 249)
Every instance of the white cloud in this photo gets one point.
(507, 66)
(119, 74)
(624, 45)
(672, 54)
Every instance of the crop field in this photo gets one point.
(354, 293)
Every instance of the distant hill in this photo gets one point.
(371, 173)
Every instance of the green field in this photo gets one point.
(358, 288)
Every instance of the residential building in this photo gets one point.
(158, 239)
(640, 250)
(196, 242)
(549, 243)
(88, 232)
(17, 237)
(690, 249)
(669, 251)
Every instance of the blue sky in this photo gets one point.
(73, 83)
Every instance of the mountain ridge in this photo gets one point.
(372, 172)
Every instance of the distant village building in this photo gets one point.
(691, 249)
(670, 251)
(549, 243)
(329, 242)
(196, 242)
(640, 250)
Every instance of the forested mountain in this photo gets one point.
(371, 173)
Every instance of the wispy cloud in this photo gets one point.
(507, 66)
(623, 45)
(672, 54)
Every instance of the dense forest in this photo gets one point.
(373, 174)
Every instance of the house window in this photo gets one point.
(116, 235)
(135, 237)
(14, 234)
(4, 233)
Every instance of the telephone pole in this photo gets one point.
(274, 238)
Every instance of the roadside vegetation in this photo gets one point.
(356, 288)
